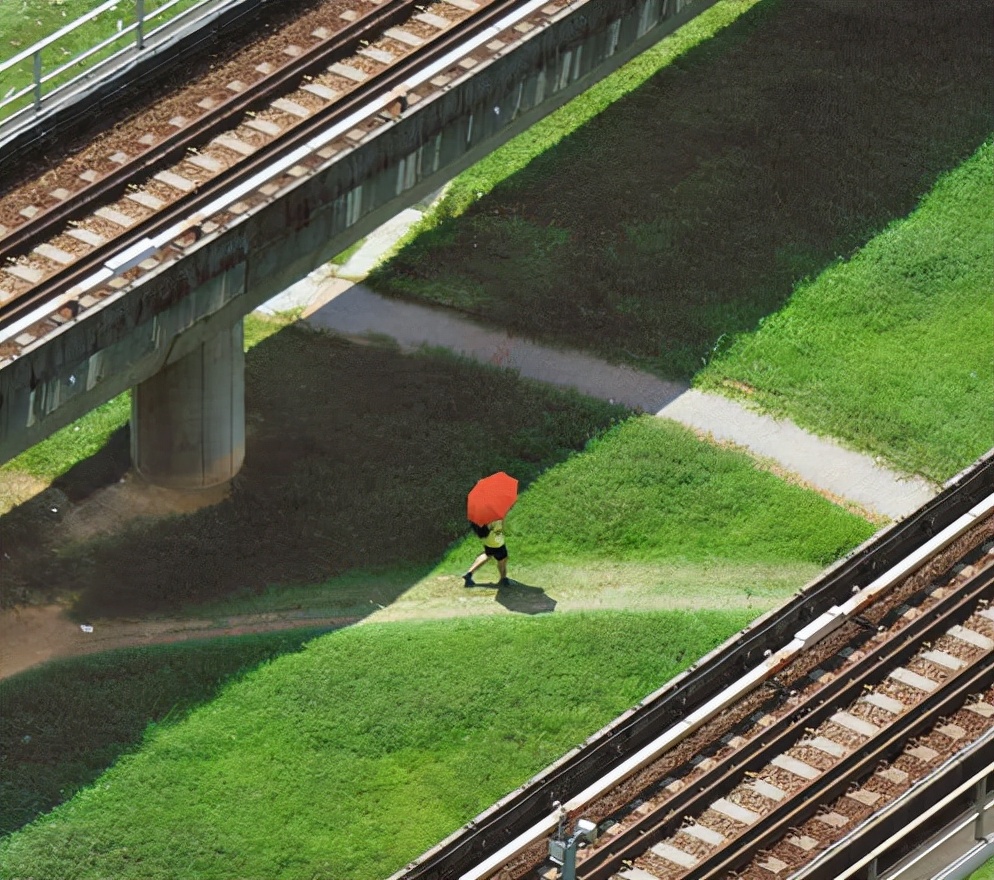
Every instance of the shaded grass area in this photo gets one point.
(64, 724)
(372, 477)
(356, 457)
(743, 166)
(892, 351)
(317, 762)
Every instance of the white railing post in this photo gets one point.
(37, 66)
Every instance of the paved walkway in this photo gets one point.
(335, 301)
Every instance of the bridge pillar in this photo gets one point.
(188, 420)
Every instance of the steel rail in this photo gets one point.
(378, 86)
(858, 765)
(918, 809)
(785, 732)
(221, 118)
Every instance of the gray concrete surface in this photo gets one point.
(342, 306)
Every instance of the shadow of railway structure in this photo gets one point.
(754, 161)
(372, 474)
(358, 458)
(687, 211)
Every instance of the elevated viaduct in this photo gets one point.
(174, 334)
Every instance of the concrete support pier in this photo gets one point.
(188, 420)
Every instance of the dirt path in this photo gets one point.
(33, 635)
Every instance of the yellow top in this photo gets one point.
(496, 536)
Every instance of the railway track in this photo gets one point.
(845, 740)
(99, 228)
(872, 708)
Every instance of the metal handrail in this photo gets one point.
(138, 27)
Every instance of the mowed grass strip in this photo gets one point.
(893, 350)
(352, 757)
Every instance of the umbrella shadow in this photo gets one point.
(525, 599)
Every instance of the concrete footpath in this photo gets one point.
(334, 300)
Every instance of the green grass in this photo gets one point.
(893, 350)
(64, 724)
(73, 443)
(986, 872)
(347, 760)
(756, 166)
(25, 22)
(646, 516)
(649, 491)
(513, 157)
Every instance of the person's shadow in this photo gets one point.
(524, 599)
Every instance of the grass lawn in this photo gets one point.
(647, 516)
(64, 724)
(376, 481)
(763, 156)
(25, 22)
(984, 873)
(893, 350)
(316, 762)
(346, 760)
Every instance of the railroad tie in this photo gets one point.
(737, 813)
(913, 680)
(941, 658)
(796, 767)
(856, 725)
(972, 637)
(703, 833)
(676, 856)
(882, 701)
(634, 873)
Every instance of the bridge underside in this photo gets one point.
(173, 333)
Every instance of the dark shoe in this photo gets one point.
(468, 580)
(504, 582)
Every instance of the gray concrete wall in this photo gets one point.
(175, 308)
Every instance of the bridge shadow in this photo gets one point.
(687, 211)
(64, 723)
(358, 457)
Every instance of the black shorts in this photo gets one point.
(496, 552)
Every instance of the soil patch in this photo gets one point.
(35, 634)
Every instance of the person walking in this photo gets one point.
(492, 535)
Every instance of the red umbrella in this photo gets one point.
(491, 498)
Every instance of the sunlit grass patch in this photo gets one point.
(317, 762)
(892, 350)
